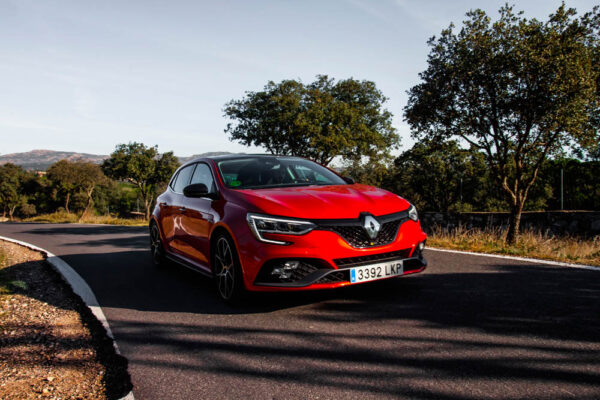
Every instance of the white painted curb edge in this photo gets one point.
(80, 288)
(531, 260)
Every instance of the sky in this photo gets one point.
(85, 76)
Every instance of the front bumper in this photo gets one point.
(330, 255)
(340, 276)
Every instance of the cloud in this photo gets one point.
(375, 12)
(12, 122)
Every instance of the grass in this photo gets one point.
(7, 284)
(4, 281)
(530, 244)
(64, 217)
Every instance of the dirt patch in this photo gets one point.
(51, 346)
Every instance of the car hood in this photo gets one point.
(323, 202)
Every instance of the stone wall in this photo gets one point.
(577, 223)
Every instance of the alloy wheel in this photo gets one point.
(225, 268)
(156, 245)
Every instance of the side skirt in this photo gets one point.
(195, 266)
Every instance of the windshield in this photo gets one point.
(271, 172)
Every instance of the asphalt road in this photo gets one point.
(470, 327)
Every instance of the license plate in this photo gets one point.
(376, 271)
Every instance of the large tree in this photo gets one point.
(89, 176)
(12, 196)
(142, 166)
(319, 121)
(76, 177)
(63, 179)
(438, 176)
(519, 90)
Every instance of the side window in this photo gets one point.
(308, 175)
(202, 174)
(183, 178)
(173, 180)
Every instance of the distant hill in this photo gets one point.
(40, 160)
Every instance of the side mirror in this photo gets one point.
(349, 180)
(199, 190)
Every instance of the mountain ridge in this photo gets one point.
(41, 159)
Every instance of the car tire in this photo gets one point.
(227, 271)
(157, 250)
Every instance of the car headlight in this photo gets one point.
(412, 213)
(261, 224)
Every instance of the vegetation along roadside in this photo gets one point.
(531, 244)
(51, 345)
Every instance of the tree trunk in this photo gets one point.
(88, 206)
(11, 211)
(514, 223)
(148, 205)
(67, 202)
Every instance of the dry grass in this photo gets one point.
(531, 244)
(64, 217)
(51, 346)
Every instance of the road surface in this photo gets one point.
(470, 327)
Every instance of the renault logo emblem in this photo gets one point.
(371, 226)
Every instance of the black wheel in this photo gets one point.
(156, 247)
(227, 270)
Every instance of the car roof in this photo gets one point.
(239, 156)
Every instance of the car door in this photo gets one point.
(177, 210)
(199, 217)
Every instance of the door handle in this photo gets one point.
(164, 203)
(181, 208)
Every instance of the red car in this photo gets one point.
(275, 223)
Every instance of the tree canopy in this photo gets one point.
(319, 121)
(142, 166)
(519, 90)
(12, 182)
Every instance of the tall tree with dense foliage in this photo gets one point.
(12, 196)
(142, 166)
(319, 121)
(74, 177)
(519, 90)
(63, 179)
(434, 176)
(89, 176)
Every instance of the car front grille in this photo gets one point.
(337, 276)
(353, 232)
(302, 270)
(351, 262)
(357, 237)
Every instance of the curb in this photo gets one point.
(80, 288)
(531, 260)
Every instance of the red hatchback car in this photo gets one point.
(275, 223)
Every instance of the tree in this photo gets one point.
(434, 176)
(12, 178)
(319, 121)
(61, 175)
(87, 176)
(519, 90)
(74, 177)
(142, 166)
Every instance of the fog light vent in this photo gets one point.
(286, 270)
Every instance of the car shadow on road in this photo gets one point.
(548, 302)
(414, 337)
(496, 330)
